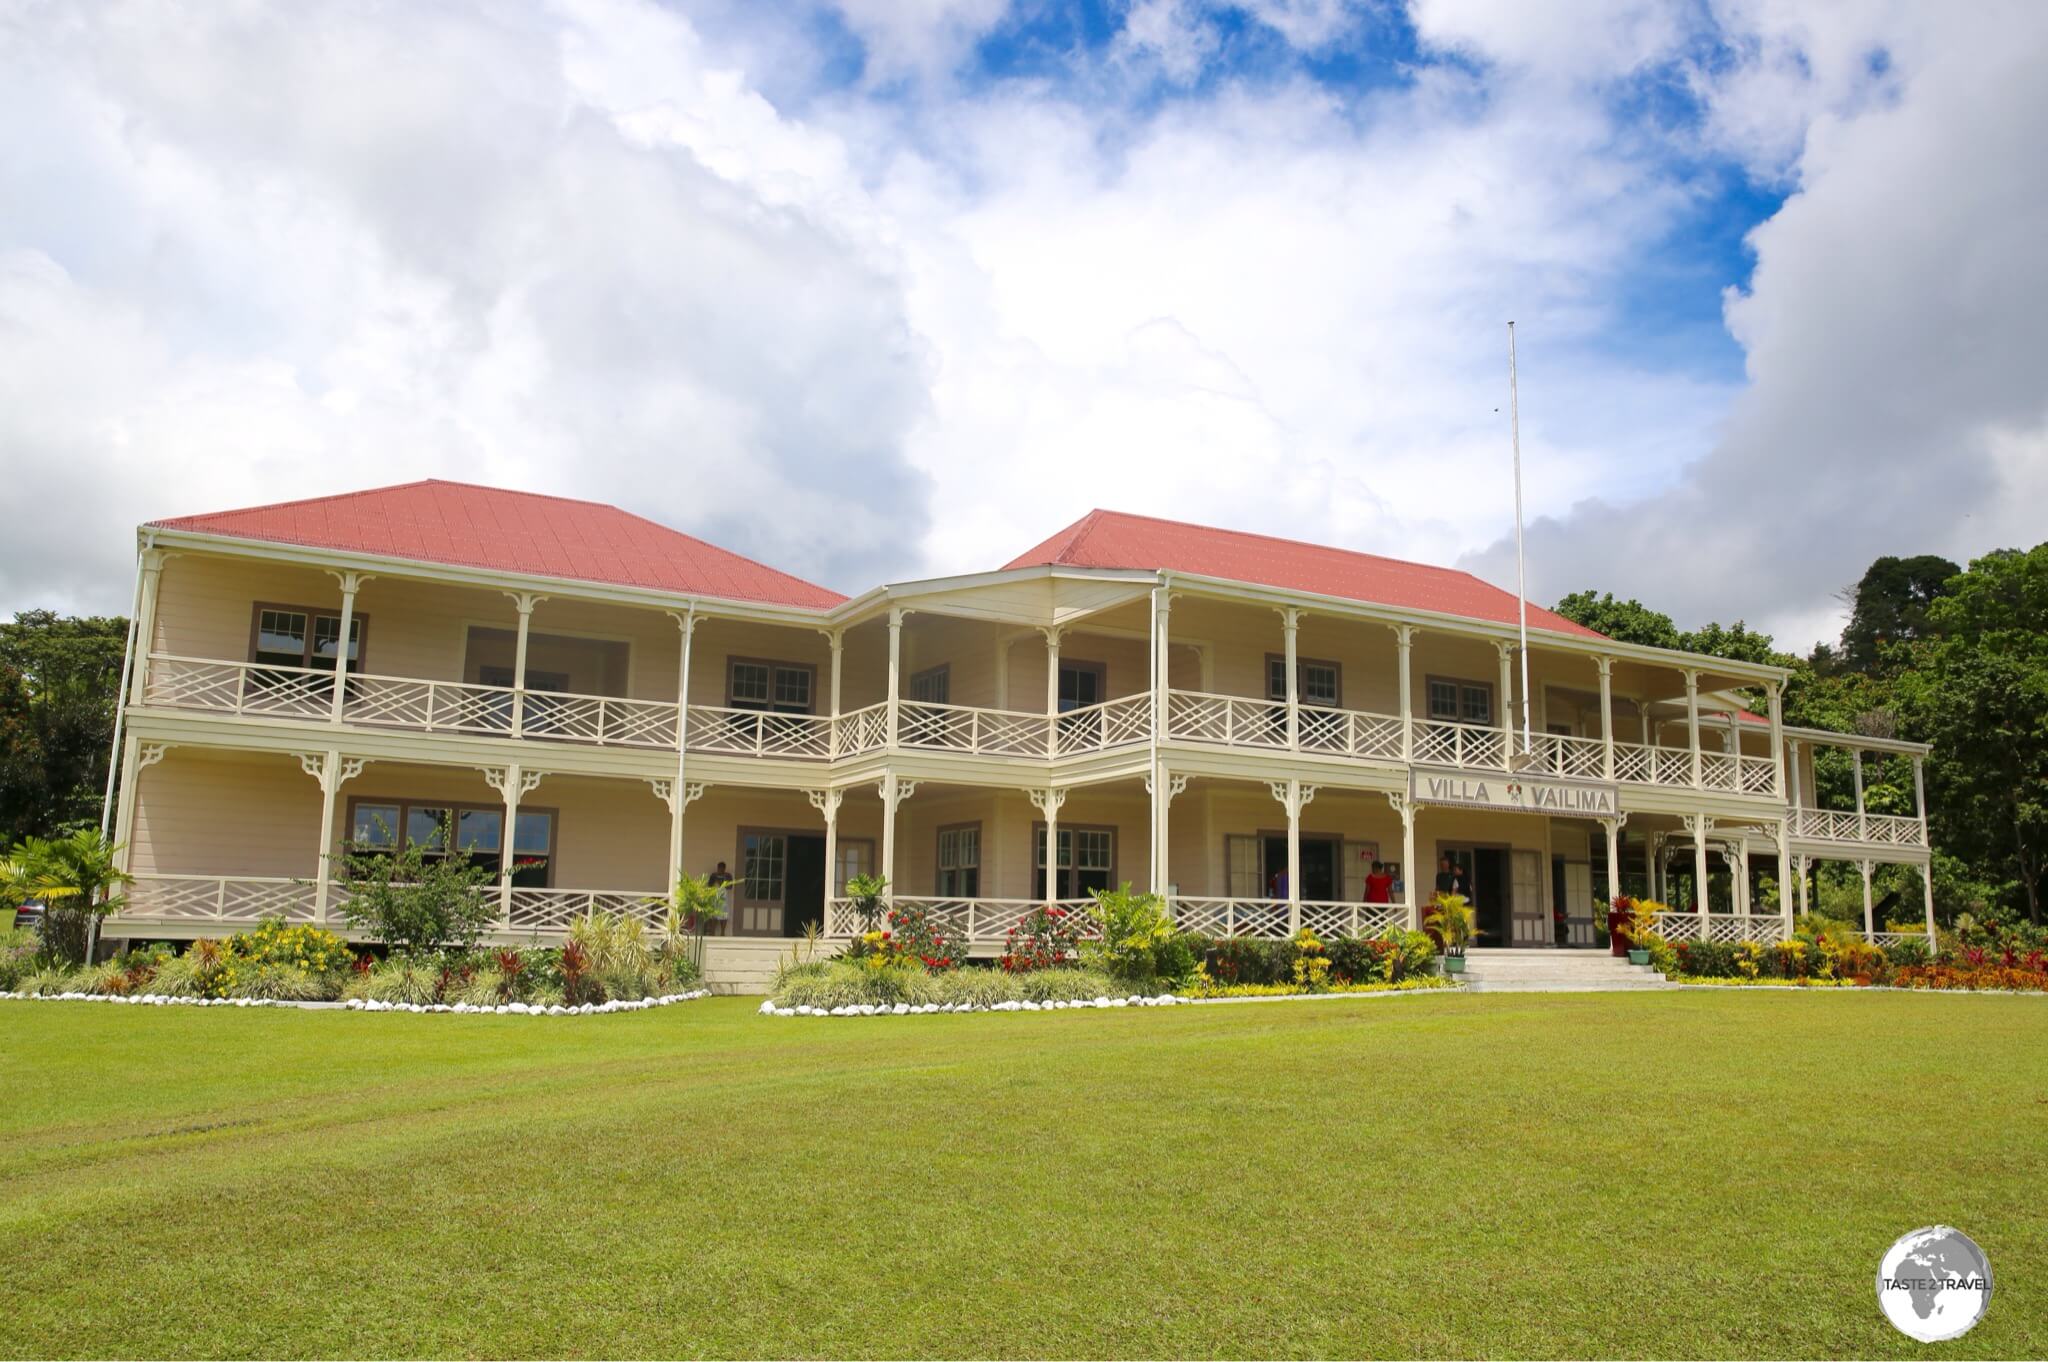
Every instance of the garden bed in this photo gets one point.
(368, 1005)
(1122, 952)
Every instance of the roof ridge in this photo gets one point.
(1290, 543)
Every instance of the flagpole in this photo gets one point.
(1521, 578)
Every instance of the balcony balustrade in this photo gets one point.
(1194, 717)
(1876, 829)
(231, 903)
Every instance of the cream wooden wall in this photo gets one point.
(209, 813)
(205, 608)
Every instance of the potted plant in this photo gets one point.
(1639, 929)
(1452, 922)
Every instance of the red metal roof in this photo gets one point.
(1114, 539)
(518, 532)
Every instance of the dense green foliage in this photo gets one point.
(77, 881)
(416, 902)
(1954, 658)
(1180, 1182)
(60, 678)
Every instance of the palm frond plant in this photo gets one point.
(76, 878)
(867, 894)
(698, 903)
(1455, 925)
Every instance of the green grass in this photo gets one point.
(1383, 1176)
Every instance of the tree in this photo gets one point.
(75, 877)
(70, 668)
(1623, 621)
(1890, 607)
(1982, 700)
(23, 781)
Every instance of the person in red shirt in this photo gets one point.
(1379, 885)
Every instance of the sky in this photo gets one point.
(882, 289)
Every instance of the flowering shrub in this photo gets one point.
(1044, 938)
(273, 942)
(914, 933)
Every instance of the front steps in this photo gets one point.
(1537, 970)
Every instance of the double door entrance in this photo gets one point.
(1505, 886)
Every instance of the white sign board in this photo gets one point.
(1518, 791)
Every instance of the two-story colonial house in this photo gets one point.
(1244, 724)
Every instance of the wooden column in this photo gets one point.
(686, 628)
(1927, 870)
(332, 770)
(827, 802)
(1404, 638)
(1606, 666)
(136, 757)
(1869, 910)
(1778, 786)
(1507, 704)
(1862, 818)
(1047, 802)
(1785, 875)
(1692, 723)
(1294, 797)
(894, 790)
(1613, 827)
(1155, 780)
(1406, 807)
(145, 623)
(1699, 825)
(510, 781)
(896, 614)
(351, 582)
(1290, 626)
(523, 602)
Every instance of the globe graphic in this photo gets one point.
(1934, 1283)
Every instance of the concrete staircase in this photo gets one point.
(1557, 971)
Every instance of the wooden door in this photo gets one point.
(1529, 905)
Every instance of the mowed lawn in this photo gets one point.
(1672, 1174)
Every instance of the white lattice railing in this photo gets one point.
(239, 687)
(979, 922)
(1642, 764)
(1729, 927)
(864, 730)
(232, 900)
(759, 733)
(1759, 775)
(1446, 744)
(1328, 920)
(1111, 723)
(1350, 732)
(1230, 720)
(1881, 829)
(1557, 754)
(1231, 917)
(1895, 938)
(239, 901)
(552, 910)
(969, 728)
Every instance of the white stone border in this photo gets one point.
(364, 1005)
(769, 1009)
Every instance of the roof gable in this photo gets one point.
(517, 532)
(1116, 539)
